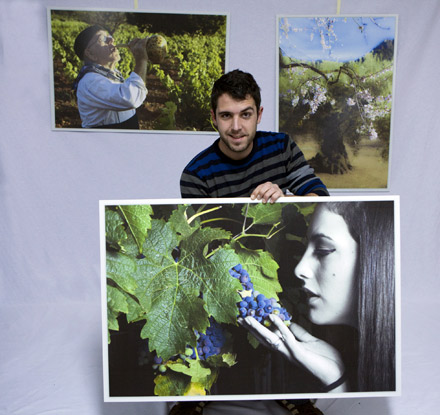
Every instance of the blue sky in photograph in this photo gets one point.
(349, 38)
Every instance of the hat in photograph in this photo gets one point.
(83, 39)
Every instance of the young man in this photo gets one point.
(245, 162)
(105, 98)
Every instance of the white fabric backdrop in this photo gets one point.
(50, 184)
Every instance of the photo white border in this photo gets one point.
(277, 86)
(124, 10)
(219, 201)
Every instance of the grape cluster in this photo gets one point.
(158, 364)
(255, 304)
(211, 342)
(208, 344)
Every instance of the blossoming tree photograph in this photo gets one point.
(335, 89)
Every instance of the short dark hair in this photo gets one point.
(83, 39)
(238, 85)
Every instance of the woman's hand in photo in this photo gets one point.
(301, 348)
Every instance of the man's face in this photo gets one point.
(101, 50)
(236, 122)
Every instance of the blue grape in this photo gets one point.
(256, 304)
(251, 312)
(244, 278)
(157, 360)
(211, 342)
(208, 344)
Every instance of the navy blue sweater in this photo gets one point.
(274, 158)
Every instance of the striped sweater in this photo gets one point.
(274, 158)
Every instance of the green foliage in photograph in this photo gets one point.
(200, 61)
(179, 87)
(175, 268)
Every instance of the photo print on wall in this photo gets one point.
(186, 54)
(223, 297)
(335, 95)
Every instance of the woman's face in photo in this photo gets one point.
(328, 270)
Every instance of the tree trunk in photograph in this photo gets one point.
(333, 157)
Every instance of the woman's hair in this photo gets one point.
(238, 85)
(371, 224)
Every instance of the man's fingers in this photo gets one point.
(272, 195)
(267, 192)
(259, 191)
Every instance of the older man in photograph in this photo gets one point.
(105, 99)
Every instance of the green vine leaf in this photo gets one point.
(222, 360)
(135, 310)
(171, 384)
(121, 268)
(263, 214)
(193, 368)
(306, 209)
(195, 389)
(179, 220)
(116, 303)
(294, 221)
(179, 295)
(291, 237)
(201, 378)
(114, 229)
(112, 318)
(116, 300)
(212, 275)
(229, 359)
(138, 218)
(262, 268)
(253, 340)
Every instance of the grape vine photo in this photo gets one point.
(179, 84)
(335, 95)
(235, 299)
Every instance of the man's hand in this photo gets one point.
(267, 192)
(270, 192)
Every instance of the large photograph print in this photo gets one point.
(335, 97)
(186, 54)
(237, 299)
